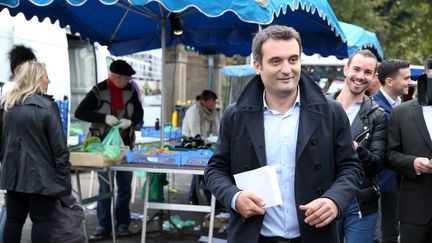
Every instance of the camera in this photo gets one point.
(424, 89)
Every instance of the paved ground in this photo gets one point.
(155, 233)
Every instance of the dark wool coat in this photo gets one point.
(326, 162)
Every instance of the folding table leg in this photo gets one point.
(212, 216)
(110, 180)
(145, 207)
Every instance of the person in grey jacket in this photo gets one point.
(35, 157)
(282, 119)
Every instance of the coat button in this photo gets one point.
(314, 140)
(319, 191)
(317, 166)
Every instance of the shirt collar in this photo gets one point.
(296, 102)
(389, 99)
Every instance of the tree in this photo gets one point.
(402, 26)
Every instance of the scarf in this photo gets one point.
(116, 98)
(207, 121)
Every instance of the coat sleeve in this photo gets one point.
(218, 172)
(372, 156)
(348, 171)
(396, 160)
(57, 140)
(86, 109)
(138, 114)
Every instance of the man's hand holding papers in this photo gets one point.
(260, 190)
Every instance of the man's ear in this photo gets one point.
(345, 70)
(388, 81)
(257, 67)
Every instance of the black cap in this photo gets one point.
(121, 67)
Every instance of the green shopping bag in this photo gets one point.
(113, 143)
(157, 182)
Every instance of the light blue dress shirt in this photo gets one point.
(280, 144)
(390, 100)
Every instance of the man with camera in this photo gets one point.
(368, 128)
(409, 153)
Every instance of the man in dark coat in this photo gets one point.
(394, 76)
(283, 119)
(409, 153)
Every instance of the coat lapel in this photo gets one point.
(310, 119)
(417, 114)
(255, 126)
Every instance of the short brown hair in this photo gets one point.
(365, 53)
(277, 32)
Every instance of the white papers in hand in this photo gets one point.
(263, 182)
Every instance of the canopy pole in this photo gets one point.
(163, 45)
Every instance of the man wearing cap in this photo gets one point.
(113, 102)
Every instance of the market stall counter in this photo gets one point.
(175, 169)
(110, 194)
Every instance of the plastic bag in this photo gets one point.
(96, 148)
(113, 143)
(157, 182)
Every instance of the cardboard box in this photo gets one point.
(95, 160)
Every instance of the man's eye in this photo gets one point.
(275, 61)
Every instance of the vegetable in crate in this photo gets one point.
(196, 142)
(88, 141)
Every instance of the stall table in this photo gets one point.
(190, 170)
(99, 197)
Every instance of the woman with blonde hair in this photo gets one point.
(35, 157)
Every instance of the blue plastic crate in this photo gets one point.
(196, 158)
(63, 106)
(151, 132)
(156, 159)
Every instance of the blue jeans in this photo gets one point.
(355, 229)
(122, 212)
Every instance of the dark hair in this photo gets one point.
(277, 32)
(428, 64)
(18, 55)
(390, 68)
(365, 53)
(207, 95)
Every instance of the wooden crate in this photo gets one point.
(95, 160)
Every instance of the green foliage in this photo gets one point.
(402, 26)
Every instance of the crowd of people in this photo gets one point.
(353, 166)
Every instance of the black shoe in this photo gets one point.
(123, 231)
(100, 233)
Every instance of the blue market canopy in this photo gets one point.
(209, 26)
(238, 70)
(358, 38)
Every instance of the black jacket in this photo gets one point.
(370, 128)
(35, 157)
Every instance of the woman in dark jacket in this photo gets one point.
(35, 157)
